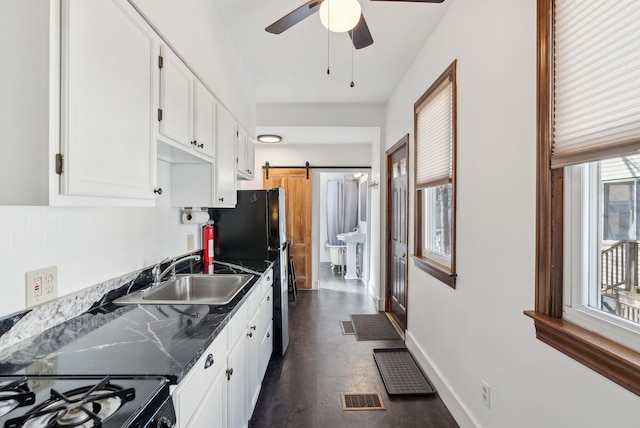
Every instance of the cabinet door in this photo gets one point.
(266, 349)
(251, 159)
(109, 81)
(246, 155)
(213, 408)
(241, 158)
(176, 98)
(236, 413)
(253, 362)
(204, 120)
(225, 185)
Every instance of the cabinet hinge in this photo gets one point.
(59, 163)
(160, 61)
(159, 114)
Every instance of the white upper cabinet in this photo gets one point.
(204, 120)
(176, 98)
(83, 90)
(225, 194)
(187, 109)
(108, 79)
(246, 155)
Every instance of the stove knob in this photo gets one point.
(165, 423)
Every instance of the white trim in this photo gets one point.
(454, 404)
(582, 215)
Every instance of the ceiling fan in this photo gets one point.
(360, 34)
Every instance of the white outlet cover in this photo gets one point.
(41, 285)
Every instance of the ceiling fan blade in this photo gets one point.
(360, 35)
(294, 17)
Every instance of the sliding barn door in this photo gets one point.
(298, 193)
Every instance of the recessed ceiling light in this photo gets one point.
(269, 138)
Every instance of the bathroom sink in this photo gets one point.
(352, 237)
(198, 289)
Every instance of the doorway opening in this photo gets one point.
(343, 244)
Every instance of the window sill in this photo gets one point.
(438, 273)
(610, 359)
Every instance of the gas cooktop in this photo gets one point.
(108, 402)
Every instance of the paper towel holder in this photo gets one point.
(190, 216)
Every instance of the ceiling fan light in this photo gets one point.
(345, 14)
(269, 138)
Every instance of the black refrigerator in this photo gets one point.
(256, 230)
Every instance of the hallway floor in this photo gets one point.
(302, 389)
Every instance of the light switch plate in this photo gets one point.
(41, 285)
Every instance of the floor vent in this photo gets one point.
(362, 402)
(347, 327)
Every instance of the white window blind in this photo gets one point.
(596, 81)
(434, 137)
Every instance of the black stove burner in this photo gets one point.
(84, 407)
(15, 394)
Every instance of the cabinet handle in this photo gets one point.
(268, 298)
(249, 334)
(253, 327)
(268, 334)
(193, 143)
(209, 361)
(201, 145)
(221, 199)
(229, 373)
(158, 190)
(165, 423)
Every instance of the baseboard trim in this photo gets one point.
(373, 292)
(462, 415)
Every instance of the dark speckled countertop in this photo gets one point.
(140, 340)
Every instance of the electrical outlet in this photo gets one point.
(41, 285)
(191, 242)
(486, 394)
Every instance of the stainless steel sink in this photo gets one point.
(199, 289)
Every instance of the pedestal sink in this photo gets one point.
(352, 239)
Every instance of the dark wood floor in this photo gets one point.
(302, 389)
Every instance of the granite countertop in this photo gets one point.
(132, 340)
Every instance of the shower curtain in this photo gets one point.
(342, 208)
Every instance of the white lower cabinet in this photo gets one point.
(213, 409)
(222, 389)
(236, 374)
(200, 396)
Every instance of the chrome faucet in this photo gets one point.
(157, 275)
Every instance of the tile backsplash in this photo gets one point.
(89, 245)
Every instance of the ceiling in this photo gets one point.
(292, 67)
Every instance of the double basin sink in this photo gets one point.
(200, 289)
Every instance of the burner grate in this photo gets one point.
(15, 394)
(87, 406)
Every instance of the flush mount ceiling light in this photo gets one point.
(340, 15)
(269, 138)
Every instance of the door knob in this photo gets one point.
(403, 255)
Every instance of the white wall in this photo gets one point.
(478, 331)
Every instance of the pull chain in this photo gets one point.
(328, 33)
(352, 49)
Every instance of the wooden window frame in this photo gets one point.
(612, 360)
(420, 261)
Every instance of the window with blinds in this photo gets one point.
(435, 138)
(596, 75)
(588, 187)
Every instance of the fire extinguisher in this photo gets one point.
(207, 246)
